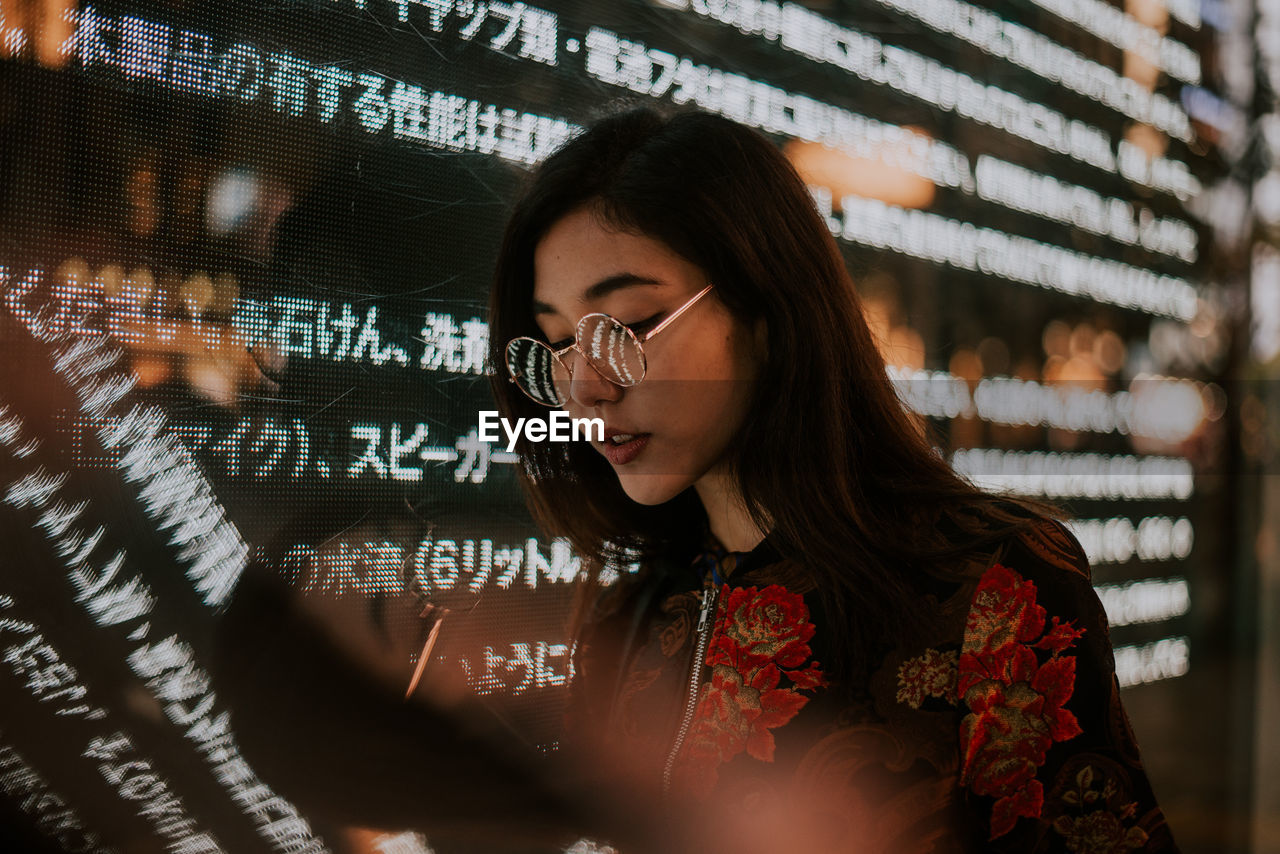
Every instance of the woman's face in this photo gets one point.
(700, 369)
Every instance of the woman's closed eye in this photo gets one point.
(640, 328)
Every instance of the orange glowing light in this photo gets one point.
(884, 177)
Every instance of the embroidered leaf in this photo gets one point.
(1059, 636)
(1056, 679)
(1026, 802)
(1085, 777)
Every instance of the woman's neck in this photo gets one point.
(727, 514)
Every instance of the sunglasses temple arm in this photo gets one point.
(681, 310)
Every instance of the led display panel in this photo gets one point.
(245, 252)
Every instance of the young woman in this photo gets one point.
(833, 642)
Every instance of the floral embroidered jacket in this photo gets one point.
(999, 730)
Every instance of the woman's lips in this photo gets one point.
(622, 454)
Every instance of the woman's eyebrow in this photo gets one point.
(601, 289)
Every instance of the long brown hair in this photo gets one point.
(828, 459)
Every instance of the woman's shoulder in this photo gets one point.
(1021, 672)
(1027, 568)
(1012, 533)
(1035, 575)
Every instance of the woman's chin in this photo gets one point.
(652, 489)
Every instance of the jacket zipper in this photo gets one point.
(705, 627)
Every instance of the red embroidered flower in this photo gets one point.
(759, 637)
(761, 626)
(1015, 701)
(932, 674)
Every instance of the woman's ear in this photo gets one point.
(761, 338)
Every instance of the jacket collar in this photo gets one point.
(713, 559)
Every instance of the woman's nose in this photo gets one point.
(586, 385)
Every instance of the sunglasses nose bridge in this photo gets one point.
(623, 367)
(575, 354)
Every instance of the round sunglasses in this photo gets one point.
(608, 345)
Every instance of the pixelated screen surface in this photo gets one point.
(245, 253)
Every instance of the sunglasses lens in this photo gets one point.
(612, 349)
(537, 371)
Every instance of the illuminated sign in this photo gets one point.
(248, 251)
